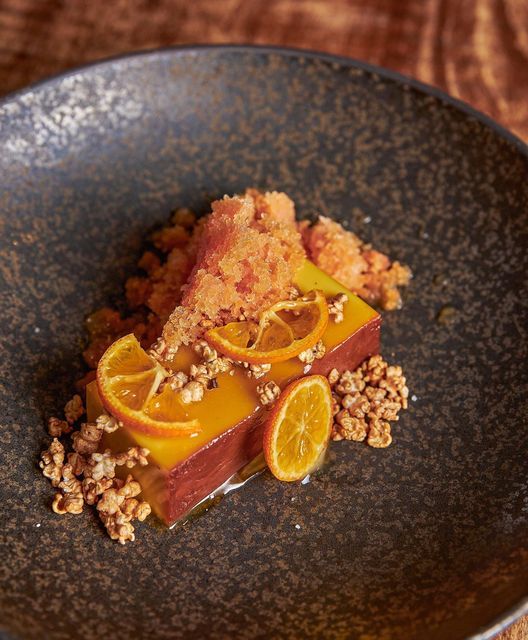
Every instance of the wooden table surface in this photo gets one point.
(476, 50)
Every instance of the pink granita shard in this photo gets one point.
(245, 262)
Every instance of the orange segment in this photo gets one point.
(128, 380)
(284, 330)
(298, 430)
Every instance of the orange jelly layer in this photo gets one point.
(235, 398)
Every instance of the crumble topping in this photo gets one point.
(268, 392)
(57, 428)
(366, 400)
(202, 376)
(70, 498)
(313, 353)
(88, 476)
(52, 462)
(336, 307)
(118, 506)
(86, 440)
(255, 370)
(74, 409)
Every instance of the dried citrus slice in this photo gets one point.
(298, 430)
(128, 380)
(283, 331)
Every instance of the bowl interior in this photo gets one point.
(425, 539)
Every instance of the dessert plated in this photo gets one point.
(240, 343)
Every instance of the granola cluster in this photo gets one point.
(87, 475)
(336, 307)
(366, 400)
(201, 376)
(268, 392)
(313, 353)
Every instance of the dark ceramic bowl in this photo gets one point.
(427, 539)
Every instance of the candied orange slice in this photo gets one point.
(128, 381)
(283, 331)
(297, 433)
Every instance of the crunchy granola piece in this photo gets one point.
(133, 456)
(193, 391)
(386, 409)
(118, 526)
(374, 369)
(205, 351)
(87, 439)
(117, 506)
(356, 404)
(101, 465)
(313, 353)
(347, 427)
(256, 370)
(268, 392)
(336, 404)
(374, 394)
(92, 489)
(52, 462)
(336, 307)
(57, 428)
(136, 509)
(67, 503)
(395, 386)
(199, 373)
(176, 381)
(350, 382)
(333, 376)
(158, 349)
(379, 434)
(71, 499)
(293, 293)
(369, 397)
(219, 365)
(77, 462)
(107, 423)
(73, 409)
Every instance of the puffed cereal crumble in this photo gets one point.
(366, 400)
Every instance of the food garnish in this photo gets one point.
(297, 432)
(284, 331)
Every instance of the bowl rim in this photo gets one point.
(502, 621)
(310, 54)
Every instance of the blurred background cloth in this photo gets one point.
(476, 50)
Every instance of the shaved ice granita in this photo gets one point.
(249, 342)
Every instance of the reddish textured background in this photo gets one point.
(477, 50)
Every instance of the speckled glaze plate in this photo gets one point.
(427, 539)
